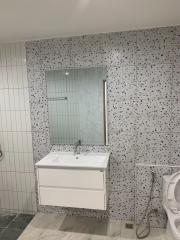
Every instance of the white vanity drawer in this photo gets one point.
(72, 198)
(71, 178)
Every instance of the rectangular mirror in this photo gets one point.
(77, 105)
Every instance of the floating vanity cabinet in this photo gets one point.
(72, 186)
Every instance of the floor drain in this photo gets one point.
(129, 226)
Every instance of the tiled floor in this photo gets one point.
(53, 227)
(11, 226)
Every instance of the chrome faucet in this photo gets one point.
(76, 145)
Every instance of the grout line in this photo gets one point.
(171, 118)
(156, 165)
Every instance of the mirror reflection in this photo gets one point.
(77, 105)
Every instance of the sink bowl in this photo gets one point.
(70, 160)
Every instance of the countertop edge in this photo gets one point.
(71, 167)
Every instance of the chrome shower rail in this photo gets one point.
(57, 98)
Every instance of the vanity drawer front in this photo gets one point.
(71, 178)
(72, 198)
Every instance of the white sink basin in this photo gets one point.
(69, 160)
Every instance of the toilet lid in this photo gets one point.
(173, 192)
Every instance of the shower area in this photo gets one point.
(17, 180)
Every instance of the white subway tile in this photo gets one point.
(3, 78)
(17, 180)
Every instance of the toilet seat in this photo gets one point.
(173, 222)
(173, 193)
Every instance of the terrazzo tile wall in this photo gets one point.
(143, 109)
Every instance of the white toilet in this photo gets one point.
(171, 203)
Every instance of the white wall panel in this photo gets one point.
(17, 179)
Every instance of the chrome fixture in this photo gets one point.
(57, 98)
(76, 149)
(1, 153)
(143, 228)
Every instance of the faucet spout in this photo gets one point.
(76, 147)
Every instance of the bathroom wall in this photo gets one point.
(143, 109)
(17, 180)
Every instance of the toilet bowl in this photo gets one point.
(171, 204)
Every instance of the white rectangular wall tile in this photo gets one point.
(17, 178)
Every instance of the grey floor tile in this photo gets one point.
(21, 221)
(92, 226)
(2, 229)
(10, 234)
(82, 228)
(6, 220)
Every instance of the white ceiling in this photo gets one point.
(37, 19)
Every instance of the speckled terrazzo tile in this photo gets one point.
(36, 78)
(74, 211)
(127, 160)
(87, 50)
(177, 53)
(64, 148)
(176, 80)
(140, 206)
(175, 150)
(83, 148)
(38, 101)
(155, 46)
(156, 37)
(153, 148)
(154, 81)
(87, 213)
(119, 48)
(177, 35)
(122, 147)
(51, 210)
(119, 209)
(121, 179)
(115, 49)
(155, 56)
(154, 115)
(121, 83)
(144, 177)
(41, 146)
(175, 119)
(63, 211)
(37, 96)
(33, 56)
(55, 53)
(38, 117)
(155, 221)
(122, 115)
